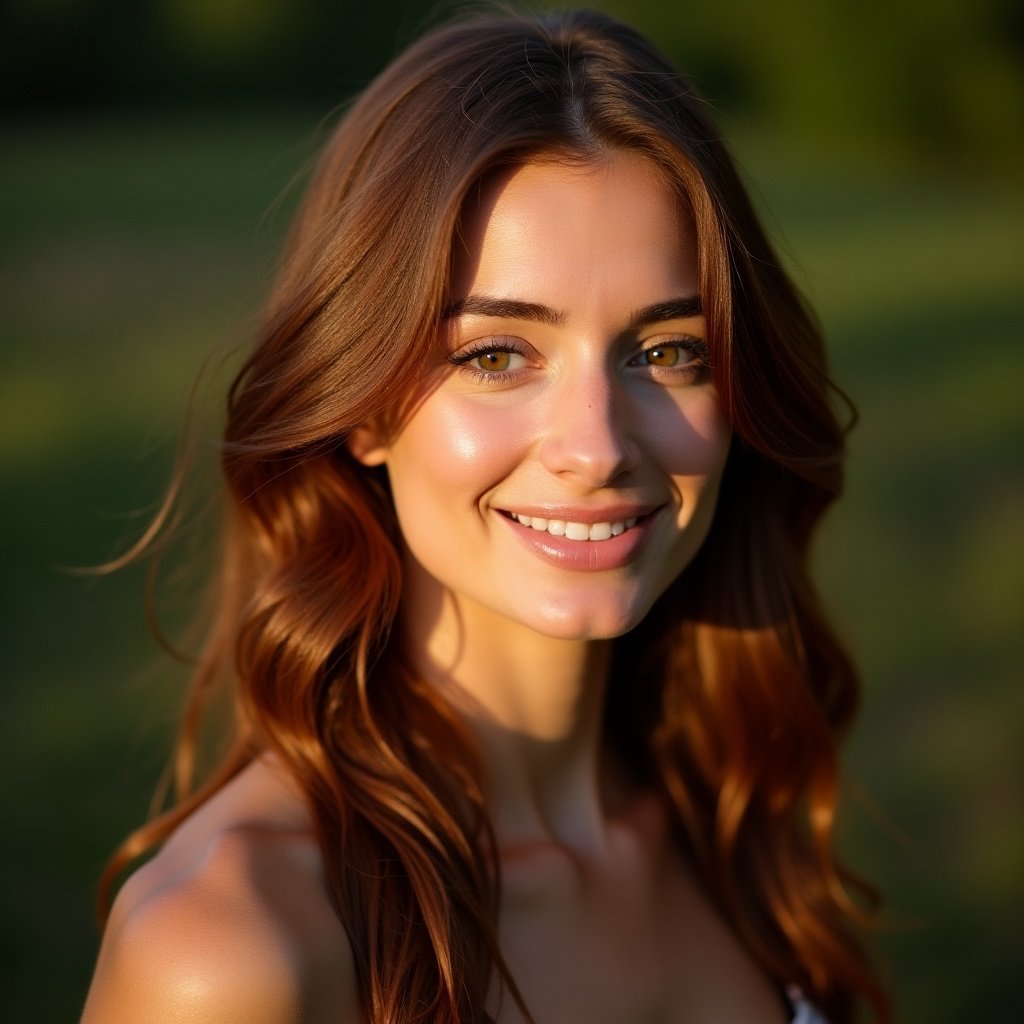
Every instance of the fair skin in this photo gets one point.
(571, 387)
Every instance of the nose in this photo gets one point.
(588, 434)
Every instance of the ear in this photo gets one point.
(365, 445)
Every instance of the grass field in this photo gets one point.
(132, 249)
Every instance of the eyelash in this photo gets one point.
(482, 348)
(694, 370)
(694, 346)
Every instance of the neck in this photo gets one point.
(535, 705)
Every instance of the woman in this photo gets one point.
(535, 709)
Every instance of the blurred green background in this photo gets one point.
(147, 151)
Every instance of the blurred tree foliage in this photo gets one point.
(938, 81)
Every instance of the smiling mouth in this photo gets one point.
(575, 531)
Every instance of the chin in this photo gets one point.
(564, 622)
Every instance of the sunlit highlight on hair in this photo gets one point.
(744, 690)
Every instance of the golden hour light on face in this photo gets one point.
(563, 468)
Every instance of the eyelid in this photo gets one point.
(670, 338)
(492, 343)
(464, 358)
(694, 345)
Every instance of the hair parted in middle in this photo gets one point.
(731, 694)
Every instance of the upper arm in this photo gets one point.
(215, 948)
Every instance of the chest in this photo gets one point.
(635, 942)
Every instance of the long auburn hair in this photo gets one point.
(729, 698)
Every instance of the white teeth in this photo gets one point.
(575, 531)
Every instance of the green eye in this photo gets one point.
(662, 355)
(494, 360)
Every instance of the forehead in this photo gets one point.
(550, 226)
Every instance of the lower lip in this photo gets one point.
(584, 555)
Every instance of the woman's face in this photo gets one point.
(560, 466)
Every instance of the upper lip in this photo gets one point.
(617, 513)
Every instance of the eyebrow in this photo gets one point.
(514, 309)
(673, 309)
(504, 309)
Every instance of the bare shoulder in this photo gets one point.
(231, 921)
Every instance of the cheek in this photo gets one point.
(455, 449)
(692, 436)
